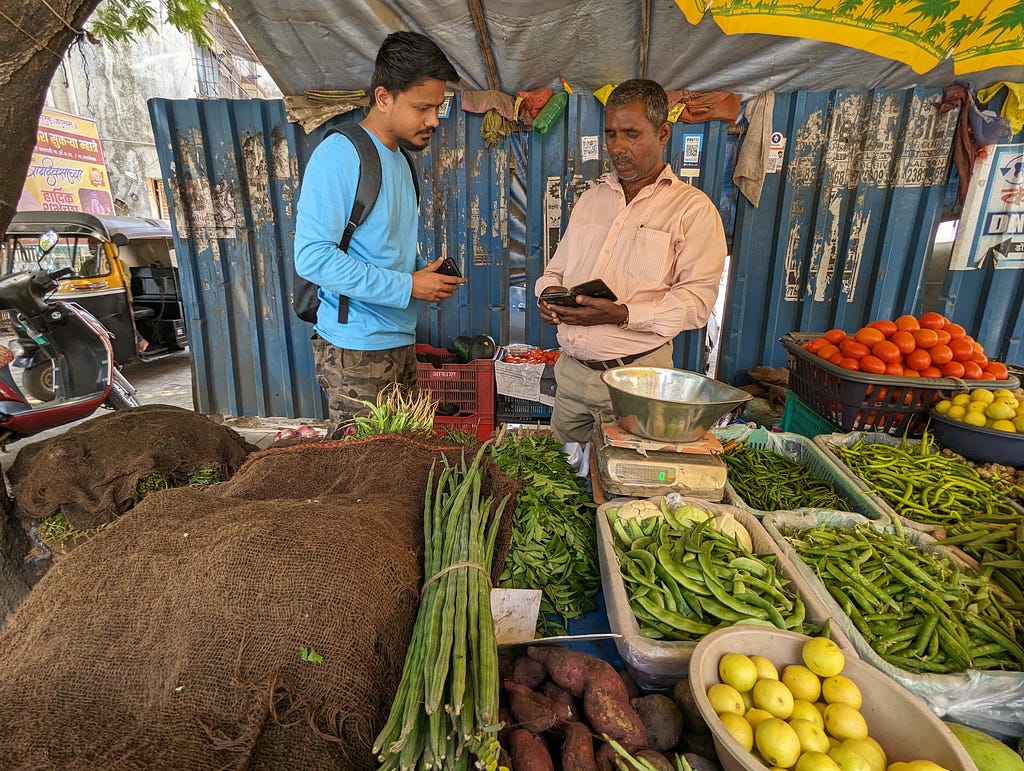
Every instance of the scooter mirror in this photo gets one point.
(47, 241)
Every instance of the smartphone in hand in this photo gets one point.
(449, 268)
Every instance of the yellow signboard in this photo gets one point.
(67, 172)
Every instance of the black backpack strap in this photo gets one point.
(412, 169)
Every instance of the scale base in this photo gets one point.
(627, 472)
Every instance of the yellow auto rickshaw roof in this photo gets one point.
(31, 223)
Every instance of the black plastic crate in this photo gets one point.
(512, 409)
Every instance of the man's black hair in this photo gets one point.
(650, 93)
(406, 59)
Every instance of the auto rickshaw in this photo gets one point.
(125, 275)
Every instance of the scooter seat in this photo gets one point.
(13, 408)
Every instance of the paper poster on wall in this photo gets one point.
(776, 150)
(552, 216)
(589, 148)
(67, 171)
(692, 145)
(991, 232)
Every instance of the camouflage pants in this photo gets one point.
(349, 377)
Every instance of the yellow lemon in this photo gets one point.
(804, 710)
(756, 716)
(839, 688)
(1000, 410)
(724, 698)
(943, 407)
(823, 657)
(978, 406)
(982, 394)
(1011, 401)
(737, 670)
(739, 729)
(870, 749)
(924, 765)
(812, 738)
(1004, 425)
(765, 669)
(802, 682)
(974, 418)
(962, 400)
(844, 722)
(1019, 424)
(1001, 392)
(775, 697)
(956, 412)
(816, 761)
(777, 742)
(848, 760)
(899, 765)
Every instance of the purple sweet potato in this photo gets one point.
(605, 758)
(535, 711)
(528, 752)
(570, 669)
(606, 705)
(556, 692)
(578, 749)
(505, 665)
(631, 687)
(529, 672)
(656, 759)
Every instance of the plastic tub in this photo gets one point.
(899, 721)
(984, 445)
(657, 665)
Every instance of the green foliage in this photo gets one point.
(310, 656)
(118, 21)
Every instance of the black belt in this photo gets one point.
(600, 366)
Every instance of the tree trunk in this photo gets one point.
(33, 39)
(16, 575)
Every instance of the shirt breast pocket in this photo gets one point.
(648, 256)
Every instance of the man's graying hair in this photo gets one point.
(406, 59)
(653, 96)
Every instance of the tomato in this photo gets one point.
(953, 369)
(980, 359)
(872, 364)
(998, 369)
(941, 354)
(925, 338)
(944, 336)
(954, 330)
(895, 368)
(853, 350)
(986, 375)
(962, 350)
(835, 336)
(885, 326)
(827, 350)
(932, 320)
(918, 359)
(931, 372)
(887, 351)
(869, 336)
(907, 323)
(851, 364)
(815, 344)
(972, 371)
(907, 372)
(835, 358)
(904, 340)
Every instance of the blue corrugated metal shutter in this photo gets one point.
(841, 235)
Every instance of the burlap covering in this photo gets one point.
(90, 472)
(172, 639)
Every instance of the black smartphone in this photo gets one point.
(449, 268)
(595, 288)
(559, 298)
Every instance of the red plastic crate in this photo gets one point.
(470, 386)
(858, 401)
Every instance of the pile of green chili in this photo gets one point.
(915, 608)
(770, 482)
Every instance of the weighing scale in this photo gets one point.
(633, 466)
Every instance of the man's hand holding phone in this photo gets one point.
(584, 305)
(433, 285)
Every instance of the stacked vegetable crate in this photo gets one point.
(656, 664)
(469, 386)
(525, 390)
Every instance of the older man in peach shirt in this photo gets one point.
(657, 242)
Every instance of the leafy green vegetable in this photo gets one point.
(310, 656)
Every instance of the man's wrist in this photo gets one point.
(624, 324)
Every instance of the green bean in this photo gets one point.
(770, 482)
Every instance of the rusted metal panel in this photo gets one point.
(842, 231)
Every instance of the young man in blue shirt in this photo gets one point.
(380, 274)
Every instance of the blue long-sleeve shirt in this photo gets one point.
(376, 271)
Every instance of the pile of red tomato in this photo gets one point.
(925, 346)
(534, 356)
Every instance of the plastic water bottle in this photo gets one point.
(552, 110)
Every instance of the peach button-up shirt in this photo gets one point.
(662, 254)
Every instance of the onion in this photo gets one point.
(306, 432)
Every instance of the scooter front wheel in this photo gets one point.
(118, 398)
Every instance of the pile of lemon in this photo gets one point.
(808, 719)
(1001, 409)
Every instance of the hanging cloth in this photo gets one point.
(748, 174)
